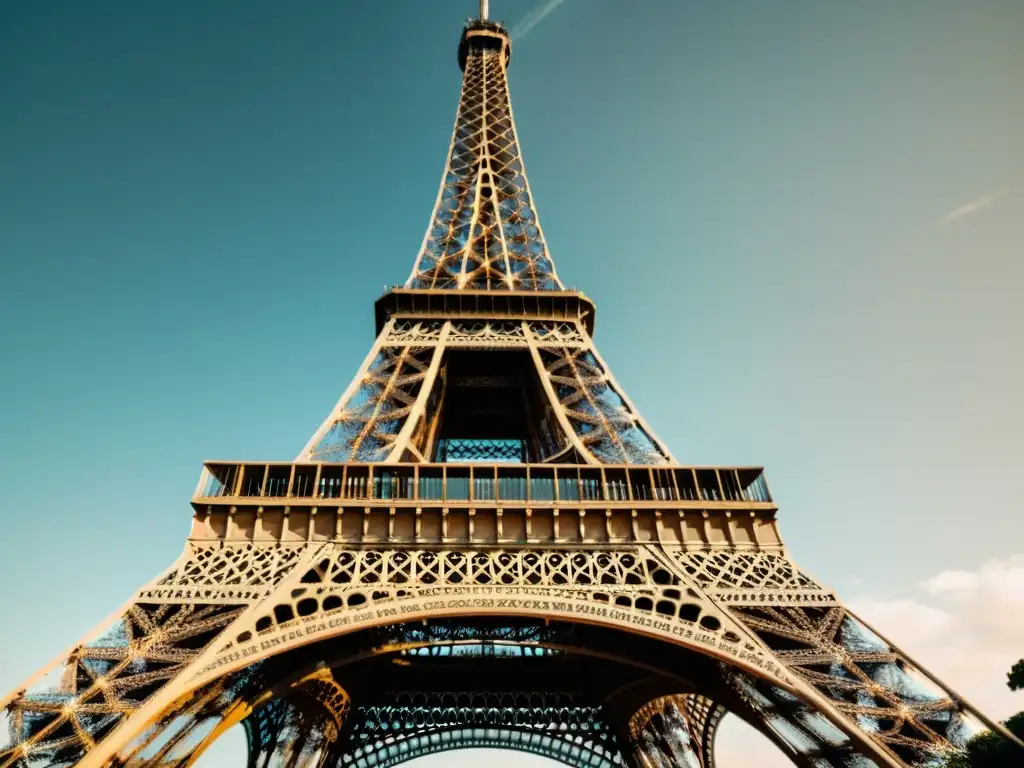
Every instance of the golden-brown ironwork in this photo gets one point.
(484, 544)
(484, 231)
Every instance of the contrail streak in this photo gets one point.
(533, 18)
(973, 206)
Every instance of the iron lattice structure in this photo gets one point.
(483, 544)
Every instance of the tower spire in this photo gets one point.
(484, 233)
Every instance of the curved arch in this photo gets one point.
(334, 591)
(573, 752)
(400, 724)
(696, 716)
(464, 608)
(349, 590)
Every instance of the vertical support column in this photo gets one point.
(353, 387)
(419, 411)
(661, 736)
(298, 726)
(556, 406)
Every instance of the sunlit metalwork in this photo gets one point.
(483, 544)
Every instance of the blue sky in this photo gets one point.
(801, 223)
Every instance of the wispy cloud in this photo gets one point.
(533, 18)
(963, 625)
(972, 207)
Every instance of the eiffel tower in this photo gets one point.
(483, 545)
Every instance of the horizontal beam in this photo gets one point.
(487, 526)
(480, 305)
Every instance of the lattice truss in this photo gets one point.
(306, 714)
(343, 579)
(297, 723)
(104, 681)
(603, 420)
(235, 573)
(383, 414)
(703, 717)
(869, 686)
(484, 231)
(501, 334)
(751, 578)
(877, 687)
(300, 728)
(412, 724)
(267, 729)
(675, 732)
(803, 733)
(680, 730)
(816, 637)
(366, 424)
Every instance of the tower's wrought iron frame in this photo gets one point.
(484, 544)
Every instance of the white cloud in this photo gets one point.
(972, 207)
(951, 581)
(533, 18)
(965, 627)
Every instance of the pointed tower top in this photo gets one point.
(484, 233)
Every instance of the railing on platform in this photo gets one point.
(520, 483)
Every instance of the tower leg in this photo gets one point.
(855, 682)
(662, 735)
(298, 724)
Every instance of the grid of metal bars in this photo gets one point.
(567, 483)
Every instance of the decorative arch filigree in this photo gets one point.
(413, 725)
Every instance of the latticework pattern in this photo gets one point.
(638, 582)
(366, 425)
(603, 420)
(803, 733)
(865, 678)
(744, 570)
(266, 729)
(676, 731)
(392, 405)
(512, 568)
(873, 688)
(482, 450)
(299, 727)
(181, 735)
(484, 232)
(752, 578)
(703, 716)
(551, 725)
(668, 582)
(103, 682)
(405, 332)
(246, 565)
(509, 333)
(662, 735)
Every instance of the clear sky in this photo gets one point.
(801, 222)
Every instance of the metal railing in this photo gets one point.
(520, 483)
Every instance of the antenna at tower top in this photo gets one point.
(483, 10)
